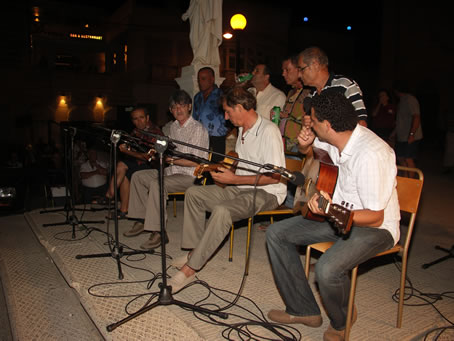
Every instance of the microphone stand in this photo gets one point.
(117, 251)
(165, 295)
(69, 193)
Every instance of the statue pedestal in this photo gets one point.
(188, 79)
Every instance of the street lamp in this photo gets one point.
(238, 23)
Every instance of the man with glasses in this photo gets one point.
(293, 110)
(144, 198)
(313, 71)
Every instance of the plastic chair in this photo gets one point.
(409, 192)
(175, 194)
(292, 165)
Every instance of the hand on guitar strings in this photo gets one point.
(313, 203)
(223, 175)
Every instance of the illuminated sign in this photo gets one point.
(85, 36)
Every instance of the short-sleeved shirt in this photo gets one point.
(294, 108)
(147, 142)
(408, 107)
(262, 144)
(267, 99)
(147, 139)
(367, 176)
(94, 180)
(209, 112)
(192, 132)
(350, 89)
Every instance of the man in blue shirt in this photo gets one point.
(208, 111)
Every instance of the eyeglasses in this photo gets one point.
(301, 69)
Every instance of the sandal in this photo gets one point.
(120, 215)
(263, 226)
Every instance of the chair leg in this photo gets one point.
(231, 243)
(402, 290)
(351, 302)
(308, 261)
(174, 205)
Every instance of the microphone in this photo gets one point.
(296, 178)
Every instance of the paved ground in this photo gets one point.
(51, 295)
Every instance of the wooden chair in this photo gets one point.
(175, 194)
(409, 192)
(292, 165)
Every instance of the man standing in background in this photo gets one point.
(266, 94)
(408, 127)
(208, 111)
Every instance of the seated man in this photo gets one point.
(93, 174)
(133, 160)
(144, 199)
(366, 184)
(259, 140)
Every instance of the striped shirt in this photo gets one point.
(350, 89)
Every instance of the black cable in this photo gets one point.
(427, 298)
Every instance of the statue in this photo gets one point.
(205, 19)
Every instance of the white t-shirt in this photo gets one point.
(367, 176)
(94, 180)
(267, 99)
(262, 144)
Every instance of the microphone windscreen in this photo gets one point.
(299, 178)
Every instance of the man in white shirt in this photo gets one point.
(266, 94)
(366, 185)
(144, 199)
(259, 141)
(93, 174)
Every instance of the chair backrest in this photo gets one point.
(294, 165)
(409, 192)
(210, 155)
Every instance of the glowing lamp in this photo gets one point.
(238, 22)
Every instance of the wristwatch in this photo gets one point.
(411, 133)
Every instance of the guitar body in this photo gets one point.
(321, 175)
(326, 181)
(212, 167)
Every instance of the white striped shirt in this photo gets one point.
(367, 176)
(192, 132)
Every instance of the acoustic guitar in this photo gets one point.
(209, 167)
(321, 175)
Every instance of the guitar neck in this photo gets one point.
(340, 216)
(205, 168)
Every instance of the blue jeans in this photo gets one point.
(331, 270)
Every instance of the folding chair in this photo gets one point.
(409, 192)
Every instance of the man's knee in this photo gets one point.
(122, 167)
(325, 272)
(192, 192)
(272, 233)
(221, 211)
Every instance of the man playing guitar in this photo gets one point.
(366, 185)
(259, 140)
